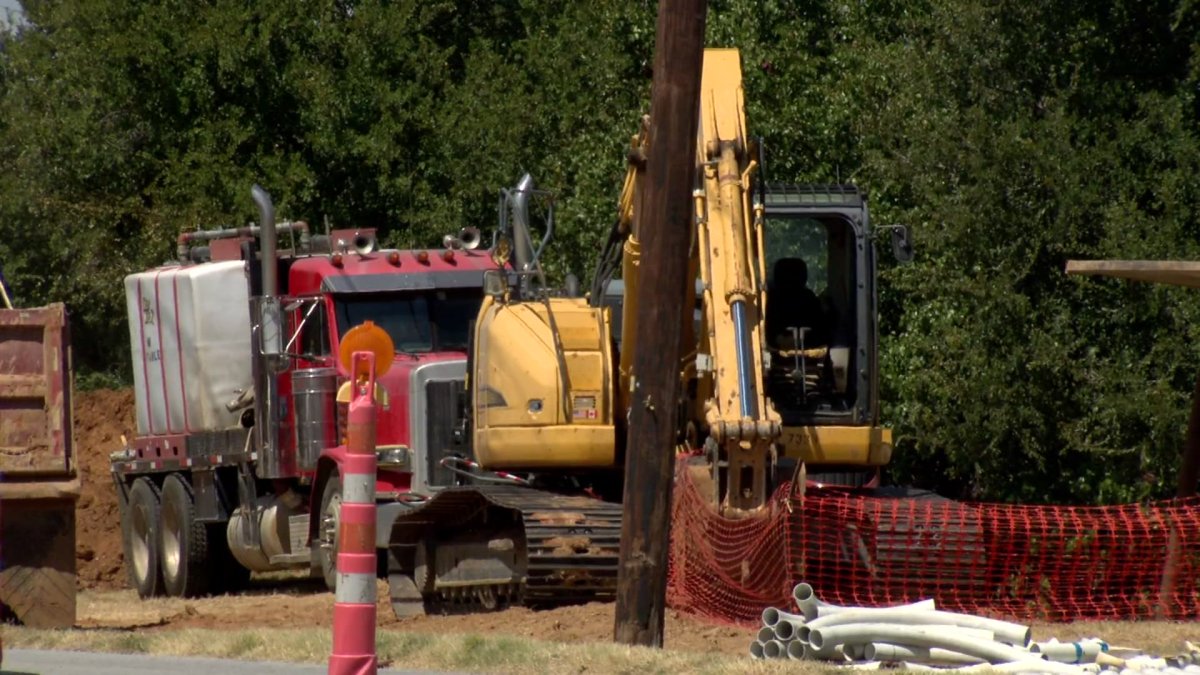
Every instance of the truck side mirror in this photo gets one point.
(271, 327)
(495, 283)
(901, 245)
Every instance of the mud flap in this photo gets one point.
(37, 561)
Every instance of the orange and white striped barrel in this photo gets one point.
(354, 608)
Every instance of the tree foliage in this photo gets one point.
(1010, 136)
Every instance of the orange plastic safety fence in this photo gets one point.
(1052, 563)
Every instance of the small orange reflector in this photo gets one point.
(394, 257)
(448, 255)
(336, 259)
(423, 257)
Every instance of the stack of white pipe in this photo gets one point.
(917, 634)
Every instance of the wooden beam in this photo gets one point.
(1172, 272)
(664, 217)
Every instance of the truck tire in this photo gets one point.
(183, 542)
(140, 531)
(327, 530)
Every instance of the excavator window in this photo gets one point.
(811, 317)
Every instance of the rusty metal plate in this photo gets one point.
(35, 391)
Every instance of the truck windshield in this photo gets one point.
(427, 321)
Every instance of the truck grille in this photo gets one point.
(441, 419)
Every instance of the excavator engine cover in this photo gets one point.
(542, 386)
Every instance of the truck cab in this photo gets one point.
(425, 301)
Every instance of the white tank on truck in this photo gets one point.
(190, 342)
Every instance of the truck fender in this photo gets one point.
(385, 514)
(328, 463)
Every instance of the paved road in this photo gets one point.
(39, 662)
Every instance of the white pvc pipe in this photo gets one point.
(773, 615)
(787, 629)
(805, 634)
(849, 633)
(795, 650)
(807, 600)
(925, 636)
(1004, 631)
(766, 633)
(1068, 652)
(774, 649)
(854, 652)
(829, 610)
(812, 606)
(1039, 666)
(756, 649)
(826, 653)
(881, 651)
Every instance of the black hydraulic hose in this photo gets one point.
(606, 265)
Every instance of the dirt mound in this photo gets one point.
(101, 417)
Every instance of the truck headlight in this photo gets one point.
(393, 456)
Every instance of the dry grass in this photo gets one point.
(504, 654)
(283, 623)
(463, 653)
(1163, 638)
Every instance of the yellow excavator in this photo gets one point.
(780, 366)
(779, 376)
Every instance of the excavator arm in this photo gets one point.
(739, 418)
(729, 411)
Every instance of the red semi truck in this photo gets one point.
(235, 464)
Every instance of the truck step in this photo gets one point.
(303, 557)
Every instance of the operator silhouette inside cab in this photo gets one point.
(791, 303)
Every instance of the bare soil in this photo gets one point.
(101, 417)
(297, 603)
(303, 604)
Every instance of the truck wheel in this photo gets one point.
(141, 538)
(327, 530)
(184, 541)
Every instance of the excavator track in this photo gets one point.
(569, 548)
(572, 541)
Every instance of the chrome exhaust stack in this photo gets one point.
(268, 319)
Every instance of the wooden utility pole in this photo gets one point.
(1175, 273)
(1189, 465)
(664, 217)
(1189, 473)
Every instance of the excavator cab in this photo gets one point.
(820, 317)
